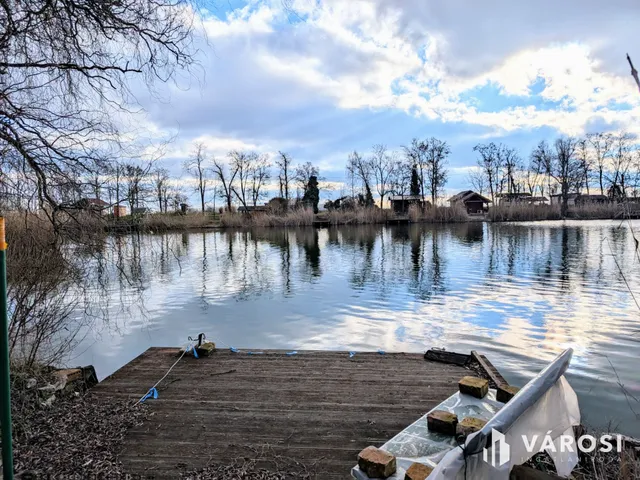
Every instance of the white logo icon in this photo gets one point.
(499, 447)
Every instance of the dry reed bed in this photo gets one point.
(359, 216)
(525, 213)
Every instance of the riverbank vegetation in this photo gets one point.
(519, 212)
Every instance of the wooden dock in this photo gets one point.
(316, 408)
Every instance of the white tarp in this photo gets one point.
(547, 405)
(417, 444)
(554, 414)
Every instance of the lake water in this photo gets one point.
(518, 292)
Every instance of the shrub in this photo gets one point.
(44, 289)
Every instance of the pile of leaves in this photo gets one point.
(242, 472)
(69, 433)
(273, 467)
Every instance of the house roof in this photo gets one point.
(393, 198)
(595, 197)
(468, 195)
(513, 195)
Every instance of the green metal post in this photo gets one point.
(5, 378)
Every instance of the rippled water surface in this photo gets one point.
(521, 293)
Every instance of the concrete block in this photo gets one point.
(417, 471)
(474, 386)
(376, 463)
(442, 421)
(469, 425)
(506, 392)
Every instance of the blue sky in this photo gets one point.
(319, 79)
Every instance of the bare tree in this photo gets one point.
(226, 175)
(490, 165)
(533, 176)
(283, 162)
(64, 73)
(512, 164)
(197, 166)
(174, 197)
(602, 144)
(621, 160)
(437, 152)
(541, 161)
(400, 183)
(260, 174)
(477, 180)
(242, 163)
(136, 188)
(383, 166)
(161, 187)
(360, 169)
(562, 165)
(584, 157)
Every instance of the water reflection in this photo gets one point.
(519, 292)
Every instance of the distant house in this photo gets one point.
(140, 211)
(119, 211)
(591, 199)
(94, 205)
(473, 201)
(556, 199)
(578, 199)
(510, 198)
(520, 198)
(400, 203)
(252, 209)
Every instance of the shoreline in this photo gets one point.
(158, 226)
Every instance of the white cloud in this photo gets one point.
(349, 52)
(270, 71)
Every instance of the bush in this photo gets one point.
(44, 289)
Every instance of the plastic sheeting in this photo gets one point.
(543, 411)
(417, 444)
(554, 414)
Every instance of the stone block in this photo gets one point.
(441, 421)
(506, 392)
(376, 463)
(417, 471)
(474, 386)
(469, 425)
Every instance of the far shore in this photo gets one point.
(162, 222)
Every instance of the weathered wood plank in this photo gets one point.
(316, 408)
(491, 371)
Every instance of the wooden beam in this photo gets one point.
(489, 369)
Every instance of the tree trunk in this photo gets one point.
(565, 199)
(601, 186)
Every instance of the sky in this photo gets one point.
(318, 79)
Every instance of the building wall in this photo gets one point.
(474, 206)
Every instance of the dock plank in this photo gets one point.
(318, 408)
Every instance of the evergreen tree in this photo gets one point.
(312, 193)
